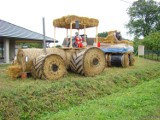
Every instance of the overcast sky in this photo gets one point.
(28, 13)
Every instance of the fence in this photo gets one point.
(152, 54)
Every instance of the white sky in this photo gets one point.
(28, 13)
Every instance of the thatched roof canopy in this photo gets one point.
(64, 22)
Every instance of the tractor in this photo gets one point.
(76, 56)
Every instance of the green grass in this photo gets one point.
(32, 99)
(138, 103)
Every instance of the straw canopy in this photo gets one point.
(64, 22)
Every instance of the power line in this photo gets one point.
(126, 1)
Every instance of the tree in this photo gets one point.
(144, 17)
(103, 34)
(152, 41)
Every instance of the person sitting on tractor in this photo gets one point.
(78, 40)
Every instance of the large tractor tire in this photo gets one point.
(49, 67)
(88, 62)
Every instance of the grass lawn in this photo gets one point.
(138, 103)
(33, 99)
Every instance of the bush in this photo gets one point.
(152, 41)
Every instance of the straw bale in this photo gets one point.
(94, 62)
(57, 51)
(64, 22)
(14, 71)
(125, 60)
(88, 62)
(26, 56)
(131, 59)
(50, 67)
(32, 53)
(69, 54)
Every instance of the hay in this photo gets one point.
(111, 39)
(118, 60)
(57, 51)
(108, 60)
(69, 54)
(88, 62)
(64, 22)
(14, 71)
(125, 60)
(131, 59)
(32, 53)
(94, 62)
(26, 56)
(50, 67)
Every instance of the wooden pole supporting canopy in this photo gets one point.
(54, 36)
(71, 35)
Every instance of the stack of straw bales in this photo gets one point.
(64, 22)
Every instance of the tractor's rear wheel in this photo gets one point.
(88, 62)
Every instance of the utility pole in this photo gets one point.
(44, 36)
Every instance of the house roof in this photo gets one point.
(13, 31)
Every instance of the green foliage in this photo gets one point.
(152, 41)
(103, 34)
(58, 46)
(135, 45)
(31, 99)
(144, 17)
(32, 45)
(35, 45)
(139, 103)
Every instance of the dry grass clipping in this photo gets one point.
(14, 71)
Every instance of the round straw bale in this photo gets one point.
(131, 59)
(88, 62)
(125, 60)
(26, 56)
(50, 67)
(57, 51)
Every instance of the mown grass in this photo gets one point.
(138, 103)
(31, 99)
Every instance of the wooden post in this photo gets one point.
(44, 36)
(97, 36)
(54, 36)
(71, 35)
(67, 39)
(84, 33)
(66, 33)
